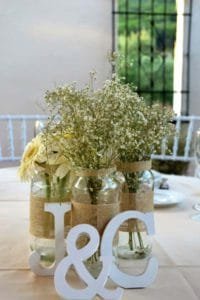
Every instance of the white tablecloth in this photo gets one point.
(176, 245)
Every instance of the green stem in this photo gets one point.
(139, 237)
(94, 186)
(130, 240)
(48, 186)
(62, 186)
(140, 240)
(133, 243)
(47, 223)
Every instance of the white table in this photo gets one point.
(176, 245)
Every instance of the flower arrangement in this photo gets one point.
(91, 122)
(84, 116)
(107, 124)
(142, 132)
(43, 158)
(93, 130)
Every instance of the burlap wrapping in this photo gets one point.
(142, 200)
(41, 222)
(94, 173)
(137, 166)
(97, 215)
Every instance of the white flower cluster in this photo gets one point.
(94, 128)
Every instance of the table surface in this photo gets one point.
(176, 245)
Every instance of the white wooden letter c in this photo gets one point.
(120, 278)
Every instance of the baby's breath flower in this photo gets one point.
(107, 124)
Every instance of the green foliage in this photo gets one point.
(146, 43)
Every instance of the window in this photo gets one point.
(144, 33)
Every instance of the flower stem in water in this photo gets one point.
(48, 186)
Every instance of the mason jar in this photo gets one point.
(45, 188)
(137, 194)
(95, 201)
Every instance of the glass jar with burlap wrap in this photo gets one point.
(137, 194)
(95, 201)
(44, 189)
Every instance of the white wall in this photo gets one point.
(195, 60)
(181, 62)
(44, 43)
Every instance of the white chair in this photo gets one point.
(193, 123)
(15, 132)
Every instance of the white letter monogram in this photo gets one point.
(122, 279)
(58, 210)
(77, 256)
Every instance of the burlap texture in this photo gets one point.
(96, 215)
(41, 222)
(94, 173)
(137, 166)
(140, 201)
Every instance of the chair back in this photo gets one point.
(182, 141)
(15, 132)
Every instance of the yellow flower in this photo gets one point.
(29, 158)
(44, 154)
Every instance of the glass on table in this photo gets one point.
(196, 206)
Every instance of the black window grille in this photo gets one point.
(144, 33)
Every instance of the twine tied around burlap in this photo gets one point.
(94, 173)
(136, 166)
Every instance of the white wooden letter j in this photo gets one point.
(58, 210)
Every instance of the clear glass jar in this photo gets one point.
(137, 194)
(95, 201)
(45, 188)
